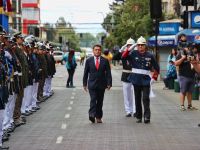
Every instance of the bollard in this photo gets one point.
(176, 86)
(171, 84)
(195, 93)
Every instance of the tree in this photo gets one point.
(132, 19)
(67, 32)
(87, 40)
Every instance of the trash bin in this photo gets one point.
(171, 84)
(195, 93)
(176, 86)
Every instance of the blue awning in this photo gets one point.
(193, 35)
(162, 40)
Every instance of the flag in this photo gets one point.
(9, 6)
(1, 6)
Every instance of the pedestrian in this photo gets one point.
(97, 77)
(108, 55)
(142, 63)
(186, 74)
(83, 55)
(70, 63)
(170, 75)
(128, 89)
(196, 65)
(172, 56)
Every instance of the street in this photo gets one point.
(62, 122)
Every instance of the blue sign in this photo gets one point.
(169, 28)
(4, 21)
(162, 41)
(195, 19)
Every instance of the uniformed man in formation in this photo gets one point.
(27, 67)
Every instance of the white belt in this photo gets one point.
(140, 71)
(16, 73)
(127, 71)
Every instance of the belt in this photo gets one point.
(140, 71)
(127, 71)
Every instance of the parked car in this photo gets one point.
(58, 56)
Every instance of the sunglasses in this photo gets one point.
(141, 45)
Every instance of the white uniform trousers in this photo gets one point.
(129, 97)
(27, 93)
(28, 101)
(47, 86)
(9, 110)
(1, 125)
(34, 94)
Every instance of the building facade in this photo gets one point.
(31, 17)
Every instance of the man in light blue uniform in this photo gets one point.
(143, 62)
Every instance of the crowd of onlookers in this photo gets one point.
(179, 67)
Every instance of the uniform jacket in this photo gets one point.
(24, 64)
(97, 79)
(144, 61)
(126, 66)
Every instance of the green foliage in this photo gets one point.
(87, 40)
(132, 19)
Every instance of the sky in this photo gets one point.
(85, 15)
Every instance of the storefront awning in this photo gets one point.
(162, 40)
(193, 35)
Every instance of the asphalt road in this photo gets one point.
(62, 123)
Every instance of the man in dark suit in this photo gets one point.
(97, 77)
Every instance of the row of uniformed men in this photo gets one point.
(26, 71)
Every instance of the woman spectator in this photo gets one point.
(170, 75)
(70, 63)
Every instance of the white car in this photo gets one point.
(77, 56)
(58, 56)
(89, 54)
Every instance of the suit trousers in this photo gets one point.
(142, 94)
(40, 87)
(96, 102)
(129, 97)
(18, 104)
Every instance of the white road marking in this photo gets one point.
(73, 93)
(59, 140)
(69, 108)
(72, 97)
(64, 126)
(71, 102)
(67, 116)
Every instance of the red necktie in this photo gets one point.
(97, 63)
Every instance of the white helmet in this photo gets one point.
(130, 41)
(141, 40)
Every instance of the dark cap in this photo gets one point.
(18, 35)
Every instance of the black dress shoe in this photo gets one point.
(92, 119)
(4, 147)
(134, 115)
(138, 120)
(199, 125)
(128, 115)
(146, 121)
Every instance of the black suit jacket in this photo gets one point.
(97, 79)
